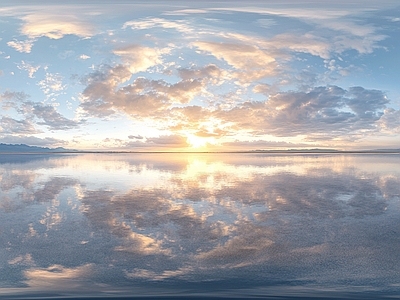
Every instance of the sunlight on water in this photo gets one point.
(214, 224)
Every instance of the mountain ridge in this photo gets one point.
(23, 148)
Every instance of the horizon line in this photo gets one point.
(294, 151)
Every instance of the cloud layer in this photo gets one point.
(202, 76)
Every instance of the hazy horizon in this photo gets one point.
(16, 148)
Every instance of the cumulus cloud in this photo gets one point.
(52, 85)
(47, 113)
(29, 68)
(11, 99)
(22, 46)
(51, 118)
(12, 126)
(140, 58)
(141, 244)
(104, 94)
(212, 73)
(330, 110)
(327, 111)
(390, 121)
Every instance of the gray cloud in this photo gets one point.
(210, 72)
(137, 137)
(12, 99)
(51, 189)
(367, 104)
(19, 101)
(12, 126)
(51, 118)
(390, 121)
(331, 110)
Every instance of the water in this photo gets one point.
(199, 225)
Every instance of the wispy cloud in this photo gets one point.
(55, 26)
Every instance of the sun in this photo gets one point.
(196, 142)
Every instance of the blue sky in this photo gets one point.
(182, 75)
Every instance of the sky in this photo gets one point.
(200, 75)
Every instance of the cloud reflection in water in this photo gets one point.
(97, 223)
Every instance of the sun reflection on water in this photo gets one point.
(82, 221)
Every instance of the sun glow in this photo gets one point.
(197, 142)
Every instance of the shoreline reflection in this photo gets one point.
(132, 223)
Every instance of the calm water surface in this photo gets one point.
(207, 225)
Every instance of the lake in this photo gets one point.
(200, 225)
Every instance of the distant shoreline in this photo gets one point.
(211, 152)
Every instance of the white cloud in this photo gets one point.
(57, 277)
(140, 58)
(29, 68)
(251, 63)
(55, 26)
(306, 43)
(188, 11)
(345, 31)
(141, 244)
(22, 46)
(52, 85)
(150, 23)
(84, 56)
